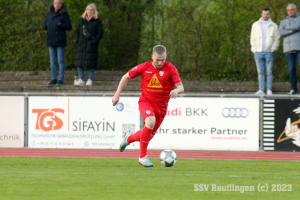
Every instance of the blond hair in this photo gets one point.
(84, 15)
(160, 50)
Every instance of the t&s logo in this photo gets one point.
(47, 119)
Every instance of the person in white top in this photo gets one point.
(265, 39)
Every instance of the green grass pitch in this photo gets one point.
(123, 178)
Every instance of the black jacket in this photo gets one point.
(56, 25)
(87, 49)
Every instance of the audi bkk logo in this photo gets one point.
(235, 112)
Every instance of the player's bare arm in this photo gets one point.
(179, 89)
(122, 84)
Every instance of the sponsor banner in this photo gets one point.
(209, 124)
(81, 122)
(12, 122)
(281, 125)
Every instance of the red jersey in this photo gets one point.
(156, 84)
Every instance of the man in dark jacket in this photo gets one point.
(57, 22)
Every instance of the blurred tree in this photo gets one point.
(206, 39)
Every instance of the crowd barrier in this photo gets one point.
(234, 122)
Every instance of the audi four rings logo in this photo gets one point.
(235, 112)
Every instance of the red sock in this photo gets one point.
(145, 138)
(135, 137)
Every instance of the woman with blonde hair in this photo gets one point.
(88, 35)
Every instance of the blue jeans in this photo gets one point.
(81, 73)
(291, 61)
(57, 52)
(264, 60)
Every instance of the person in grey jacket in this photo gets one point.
(290, 30)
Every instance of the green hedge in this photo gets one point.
(206, 39)
(24, 41)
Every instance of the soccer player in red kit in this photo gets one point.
(157, 85)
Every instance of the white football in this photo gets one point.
(168, 158)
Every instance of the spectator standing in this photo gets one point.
(290, 31)
(57, 22)
(88, 35)
(265, 39)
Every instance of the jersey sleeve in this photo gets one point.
(135, 71)
(175, 75)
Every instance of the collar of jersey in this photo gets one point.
(155, 67)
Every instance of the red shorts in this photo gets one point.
(148, 109)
